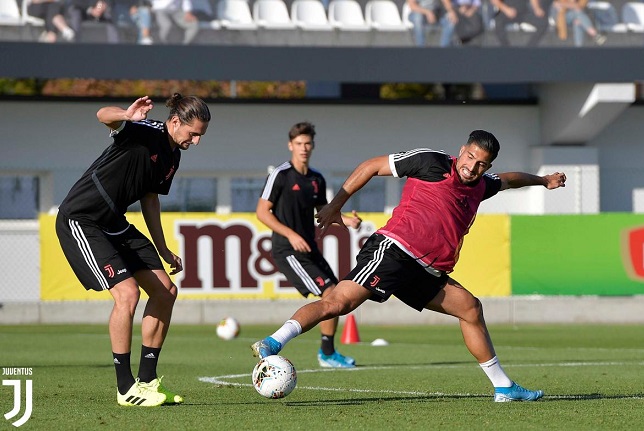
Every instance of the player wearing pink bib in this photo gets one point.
(412, 255)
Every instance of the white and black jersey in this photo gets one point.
(295, 197)
(139, 161)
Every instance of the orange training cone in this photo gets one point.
(350, 332)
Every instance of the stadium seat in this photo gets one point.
(404, 16)
(383, 15)
(346, 15)
(210, 25)
(28, 19)
(605, 17)
(272, 14)
(310, 15)
(235, 15)
(9, 13)
(633, 16)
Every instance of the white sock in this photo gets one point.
(289, 330)
(495, 373)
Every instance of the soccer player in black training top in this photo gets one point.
(108, 253)
(292, 194)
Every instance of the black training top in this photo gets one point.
(138, 162)
(295, 197)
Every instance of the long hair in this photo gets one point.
(188, 108)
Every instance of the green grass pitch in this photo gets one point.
(593, 377)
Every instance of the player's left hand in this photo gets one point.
(556, 180)
(176, 265)
(327, 216)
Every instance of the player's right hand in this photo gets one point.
(138, 110)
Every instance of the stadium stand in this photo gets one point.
(346, 23)
(346, 15)
(34, 25)
(383, 15)
(605, 17)
(633, 16)
(28, 19)
(347, 18)
(206, 15)
(310, 18)
(235, 15)
(11, 24)
(9, 13)
(275, 24)
(384, 18)
(272, 14)
(310, 15)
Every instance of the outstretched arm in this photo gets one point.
(366, 170)
(113, 116)
(515, 180)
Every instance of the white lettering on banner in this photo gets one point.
(17, 401)
(234, 257)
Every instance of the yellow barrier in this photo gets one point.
(227, 257)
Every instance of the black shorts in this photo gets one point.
(309, 273)
(99, 259)
(385, 269)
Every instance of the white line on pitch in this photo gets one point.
(224, 380)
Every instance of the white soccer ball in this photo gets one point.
(274, 377)
(228, 328)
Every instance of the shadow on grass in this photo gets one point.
(423, 399)
(595, 396)
(408, 364)
(437, 397)
(379, 400)
(352, 401)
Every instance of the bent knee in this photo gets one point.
(126, 294)
(173, 291)
(169, 294)
(333, 307)
(473, 310)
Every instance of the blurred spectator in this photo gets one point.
(137, 13)
(469, 23)
(203, 10)
(93, 10)
(429, 14)
(51, 12)
(571, 12)
(534, 12)
(175, 12)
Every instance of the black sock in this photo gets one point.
(148, 364)
(327, 344)
(124, 378)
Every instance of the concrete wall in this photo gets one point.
(58, 140)
(514, 310)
